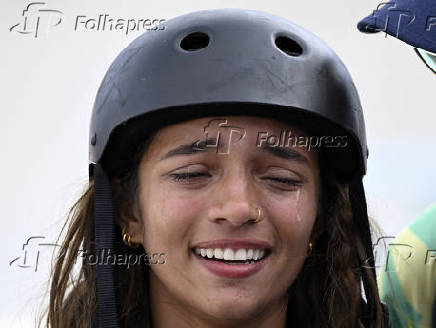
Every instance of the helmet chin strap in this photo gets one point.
(105, 230)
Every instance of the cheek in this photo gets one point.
(167, 217)
(294, 220)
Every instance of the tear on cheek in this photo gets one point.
(306, 209)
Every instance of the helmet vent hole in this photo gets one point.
(195, 41)
(289, 46)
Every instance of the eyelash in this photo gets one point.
(288, 182)
(181, 177)
(178, 177)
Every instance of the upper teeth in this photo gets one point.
(240, 254)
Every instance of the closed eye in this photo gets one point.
(289, 182)
(186, 176)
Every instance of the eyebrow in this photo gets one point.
(286, 153)
(200, 146)
(189, 149)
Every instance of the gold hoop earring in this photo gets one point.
(126, 240)
(310, 248)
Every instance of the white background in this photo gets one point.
(48, 85)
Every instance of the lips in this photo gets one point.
(232, 258)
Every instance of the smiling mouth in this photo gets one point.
(231, 256)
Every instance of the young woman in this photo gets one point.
(226, 159)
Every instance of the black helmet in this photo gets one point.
(217, 62)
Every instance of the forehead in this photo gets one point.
(198, 127)
(248, 129)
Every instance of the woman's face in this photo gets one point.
(197, 197)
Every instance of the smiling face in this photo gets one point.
(204, 200)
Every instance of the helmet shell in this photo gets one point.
(244, 58)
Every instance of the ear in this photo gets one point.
(129, 214)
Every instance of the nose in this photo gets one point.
(235, 202)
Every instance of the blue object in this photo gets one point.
(412, 21)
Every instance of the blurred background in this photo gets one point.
(52, 63)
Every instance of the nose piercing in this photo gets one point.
(259, 212)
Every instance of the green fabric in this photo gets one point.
(425, 227)
(429, 59)
(408, 283)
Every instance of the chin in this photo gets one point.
(233, 313)
(235, 308)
